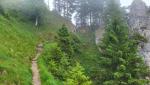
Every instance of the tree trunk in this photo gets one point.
(48, 5)
(90, 19)
(36, 21)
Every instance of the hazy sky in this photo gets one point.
(128, 2)
(51, 3)
(123, 2)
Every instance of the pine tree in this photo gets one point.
(60, 61)
(89, 13)
(120, 61)
(64, 41)
(65, 7)
(76, 76)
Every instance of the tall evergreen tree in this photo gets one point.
(89, 13)
(65, 8)
(95, 12)
(82, 13)
(121, 63)
(65, 41)
(59, 60)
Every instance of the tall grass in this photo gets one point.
(18, 40)
(17, 46)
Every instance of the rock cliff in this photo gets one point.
(139, 21)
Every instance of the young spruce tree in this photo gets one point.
(64, 41)
(72, 72)
(121, 63)
(76, 76)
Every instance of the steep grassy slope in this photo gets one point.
(52, 22)
(17, 46)
(18, 40)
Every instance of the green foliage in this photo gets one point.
(76, 76)
(76, 44)
(46, 77)
(89, 56)
(64, 41)
(60, 62)
(56, 62)
(17, 46)
(18, 41)
(119, 53)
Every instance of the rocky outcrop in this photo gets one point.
(138, 8)
(139, 21)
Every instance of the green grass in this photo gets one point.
(18, 40)
(17, 47)
(52, 22)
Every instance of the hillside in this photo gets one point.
(43, 47)
(18, 46)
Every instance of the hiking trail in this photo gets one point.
(35, 71)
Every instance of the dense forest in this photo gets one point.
(43, 47)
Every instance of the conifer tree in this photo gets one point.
(64, 41)
(76, 76)
(60, 60)
(121, 63)
(66, 8)
(89, 13)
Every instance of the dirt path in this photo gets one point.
(35, 71)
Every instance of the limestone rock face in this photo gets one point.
(139, 21)
(138, 15)
(138, 8)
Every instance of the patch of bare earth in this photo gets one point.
(35, 71)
